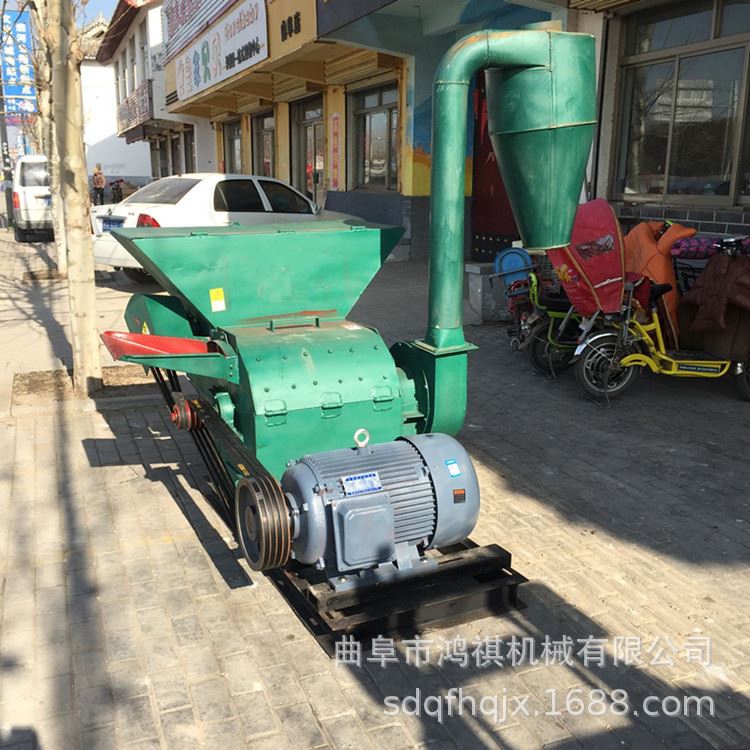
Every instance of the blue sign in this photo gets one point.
(16, 65)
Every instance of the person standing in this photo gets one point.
(99, 182)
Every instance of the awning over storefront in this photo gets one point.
(601, 5)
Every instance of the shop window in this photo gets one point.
(263, 146)
(233, 147)
(683, 110)
(237, 196)
(377, 138)
(674, 26)
(735, 17)
(283, 199)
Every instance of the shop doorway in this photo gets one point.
(308, 155)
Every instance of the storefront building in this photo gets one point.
(674, 134)
(133, 47)
(330, 95)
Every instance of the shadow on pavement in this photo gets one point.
(663, 467)
(136, 432)
(574, 696)
(548, 714)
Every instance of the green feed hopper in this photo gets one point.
(256, 318)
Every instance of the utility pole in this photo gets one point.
(67, 105)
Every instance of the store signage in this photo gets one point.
(236, 42)
(290, 26)
(184, 20)
(17, 67)
(333, 14)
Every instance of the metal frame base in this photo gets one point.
(467, 582)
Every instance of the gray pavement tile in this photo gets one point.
(325, 696)
(300, 726)
(128, 678)
(347, 733)
(146, 594)
(100, 738)
(199, 661)
(211, 699)
(227, 735)
(181, 730)
(272, 742)
(257, 716)
(391, 736)
(282, 686)
(96, 706)
(121, 644)
(170, 690)
(178, 602)
(226, 639)
(54, 696)
(241, 673)
(135, 719)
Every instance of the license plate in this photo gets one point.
(109, 224)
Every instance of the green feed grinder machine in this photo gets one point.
(330, 452)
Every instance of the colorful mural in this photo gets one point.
(449, 21)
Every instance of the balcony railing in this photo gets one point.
(136, 109)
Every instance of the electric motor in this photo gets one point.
(369, 513)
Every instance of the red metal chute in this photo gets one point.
(124, 344)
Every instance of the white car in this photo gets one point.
(32, 202)
(199, 200)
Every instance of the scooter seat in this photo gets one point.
(658, 290)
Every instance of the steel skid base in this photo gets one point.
(469, 582)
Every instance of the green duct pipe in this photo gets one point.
(541, 106)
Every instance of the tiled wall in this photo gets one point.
(705, 220)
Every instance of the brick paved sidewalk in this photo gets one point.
(128, 619)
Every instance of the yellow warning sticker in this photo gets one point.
(144, 328)
(218, 303)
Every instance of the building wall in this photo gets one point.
(103, 146)
(164, 123)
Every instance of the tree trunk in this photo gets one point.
(46, 131)
(67, 106)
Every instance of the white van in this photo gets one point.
(32, 202)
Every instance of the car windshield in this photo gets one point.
(34, 174)
(166, 191)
